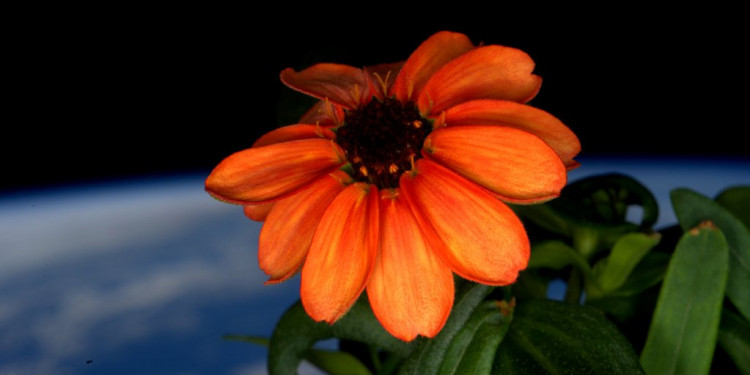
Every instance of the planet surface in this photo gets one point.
(147, 276)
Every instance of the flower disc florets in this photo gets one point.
(382, 139)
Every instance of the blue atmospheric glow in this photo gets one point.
(145, 277)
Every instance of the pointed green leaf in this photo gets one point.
(550, 337)
(429, 355)
(649, 272)
(734, 337)
(625, 255)
(691, 209)
(737, 201)
(682, 336)
(556, 255)
(296, 333)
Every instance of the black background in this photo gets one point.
(109, 93)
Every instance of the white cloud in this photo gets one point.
(123, 265)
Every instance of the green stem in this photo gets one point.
(375, 358)
(390, 365)
(573, 291)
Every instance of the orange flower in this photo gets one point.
(396, 179)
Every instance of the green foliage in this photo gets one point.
(691, 209)
(614, 270)
(296, 333)
(429, 355)
(736, 200)
(734, 338)
(549, 337)
(637, 301)
(683, 331)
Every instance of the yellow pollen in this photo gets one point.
(363, 170)
(417, 124)
(393, 168)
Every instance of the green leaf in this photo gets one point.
(556, 255)
(737, 201)
(334, 363)
(682, 336)
(550, 337)
(337, 363)
(530, 284)
(473, 348)
(429, 355)
(625, 255)
(691, 209)
(603, 201)
(734, 337)
(649, 272)
(592, 212)
(296, 333)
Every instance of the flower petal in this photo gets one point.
(509, 162)
(293, 133)
(323, 113)
(430, 56)
(261, 174)
(341, 84)
(482, 239)
(342, 253)
(520, 116)
(411, 289)
(489, 72)
(258, 212)
(288, 231)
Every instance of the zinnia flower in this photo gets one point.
(397, 179)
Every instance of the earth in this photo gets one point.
(146, 276)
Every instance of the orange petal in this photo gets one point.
(293, 133)
(266, 173)
(481, 238)
(411, 289)
(289, 227)
(323, 113)
(258, 212)
(490, 72)
(341, 84)
(507, 161)
(342, 253)
(520, 116)
(430, 56)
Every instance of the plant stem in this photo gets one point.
(573, 291)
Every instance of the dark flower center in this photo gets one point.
(382, 140)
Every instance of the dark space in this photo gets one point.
(119, 94)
